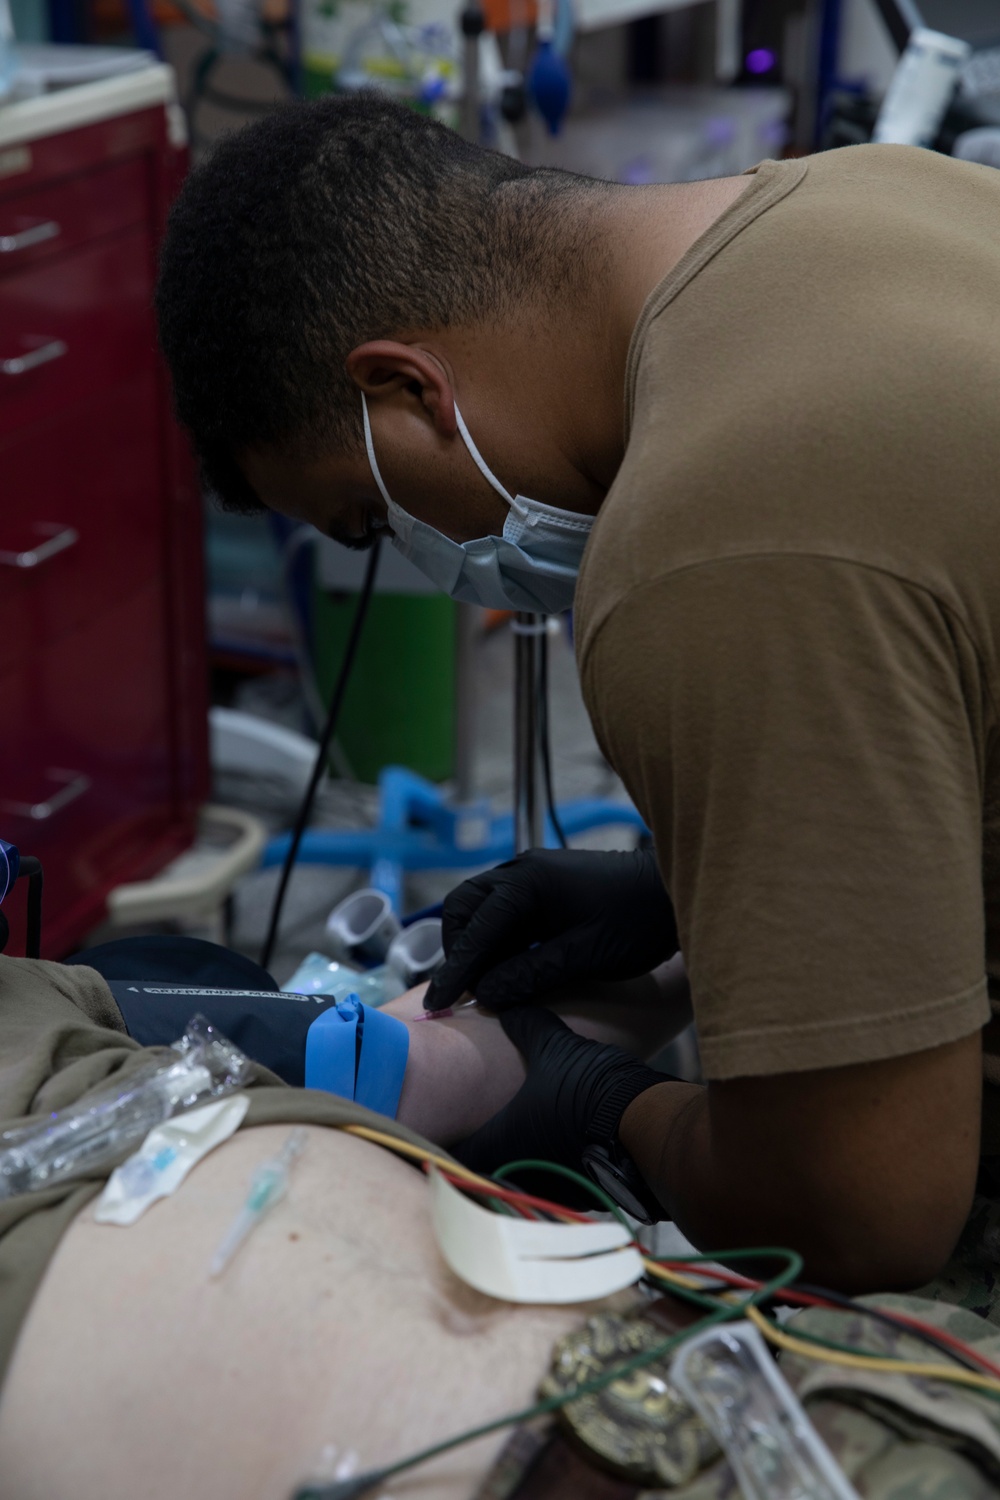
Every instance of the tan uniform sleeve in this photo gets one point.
(804, 737)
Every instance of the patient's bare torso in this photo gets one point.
(337, 1324)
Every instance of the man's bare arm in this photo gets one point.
(867, 1170)
(462, 1070)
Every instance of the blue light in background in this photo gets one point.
(761, 60)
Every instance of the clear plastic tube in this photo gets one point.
(108, 1123)
(729, 1377)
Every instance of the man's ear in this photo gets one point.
(384, 366)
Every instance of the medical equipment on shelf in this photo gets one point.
(729, 1377)
(413, 62)
(108, 1122)
(921, 89)
(549, 82)
(268, 1184)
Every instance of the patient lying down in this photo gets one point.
(338, 1324)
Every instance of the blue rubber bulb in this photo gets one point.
(550, 85)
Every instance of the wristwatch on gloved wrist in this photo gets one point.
(613, 1169)
(606, 1159)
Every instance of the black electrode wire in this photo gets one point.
(901, 1325)
(329, 730)
(881, 1315)
(31, 870)
(545, 739)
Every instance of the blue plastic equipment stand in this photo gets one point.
(417, 829)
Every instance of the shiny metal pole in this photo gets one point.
(473, 23)
(467, 626)
(529, 814)
(467, 617)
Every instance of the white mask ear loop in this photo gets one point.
(477, 457)
(370, 446)
(479, 460)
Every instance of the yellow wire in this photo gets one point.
(773, 1335)
(394, 1143)
(662, 1274)
(869, 1361)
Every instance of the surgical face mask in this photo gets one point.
(532, 566)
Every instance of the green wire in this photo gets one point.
(768, 1252)
(595, 1191)
(822, 1343)
(348, 1489)
(706, 1299)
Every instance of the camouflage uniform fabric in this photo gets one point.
(971, 1279)
(897, 1437)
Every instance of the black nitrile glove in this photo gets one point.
(593, 915)
(574, 1097)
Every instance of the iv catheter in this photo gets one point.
(268, 1184)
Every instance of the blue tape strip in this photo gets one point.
(385, 1045)
(359, 1053)
(332, 1049)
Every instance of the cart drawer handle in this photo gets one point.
(61, 538)
(76, 785)
(36, 235)
(22, 363)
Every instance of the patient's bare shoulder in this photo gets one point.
(338, 1323)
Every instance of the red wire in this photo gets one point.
(510, 1195)
(731, 1278)
(807, 1299)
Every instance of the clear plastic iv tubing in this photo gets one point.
(96, 1131)
(268, 1184)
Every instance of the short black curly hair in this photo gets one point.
(317, 228)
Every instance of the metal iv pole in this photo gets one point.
(529, 629)
(419, 827)
(529, 815)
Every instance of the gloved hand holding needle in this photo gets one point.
(551, 916)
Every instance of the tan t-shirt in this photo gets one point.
(789, 611)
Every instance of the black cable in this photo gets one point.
(329, 729)
(545, 739)
(31, 870)
(862, 1308)
(709, 1289)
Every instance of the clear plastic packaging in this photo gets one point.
(166, 1156)
(319, 975)
(728, 1376)
(108, 1123)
